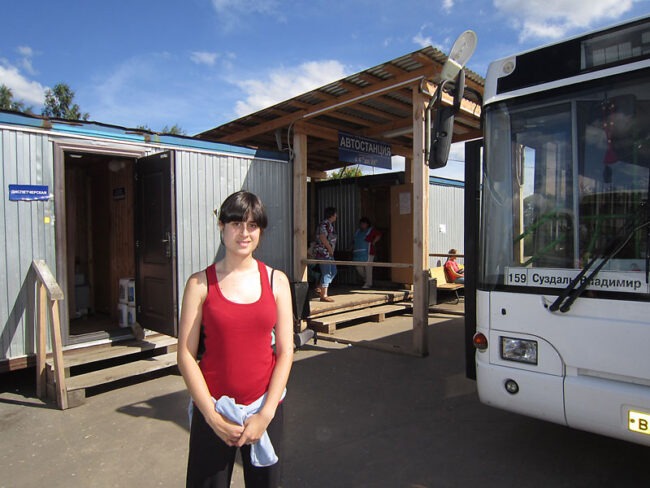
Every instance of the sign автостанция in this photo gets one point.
(361, 150)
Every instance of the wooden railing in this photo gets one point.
(49, 293)
(445, 255)
(340, 262)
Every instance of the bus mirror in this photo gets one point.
(443, 130)
(441, 140)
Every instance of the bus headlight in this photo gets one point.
(519, 350)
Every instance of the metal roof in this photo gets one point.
(375, 103)
(124, 134)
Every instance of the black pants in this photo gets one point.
(211, 460)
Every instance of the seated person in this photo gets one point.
(453, 270)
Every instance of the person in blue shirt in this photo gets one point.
(365, 238)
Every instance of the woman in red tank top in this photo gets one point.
(233, 307)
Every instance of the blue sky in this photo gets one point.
(201, 63)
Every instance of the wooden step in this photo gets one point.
(358, 301)
(88, 355)
(76, 385)
(328, 323)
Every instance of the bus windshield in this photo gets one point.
(565, 179)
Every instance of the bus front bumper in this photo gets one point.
(602, 406)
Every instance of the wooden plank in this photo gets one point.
(420, 228)
(401, 232)
(54, 291)
(55, 321)
(15, 364)
(41, 341)
(374, 313)
(127, 370)
(361, 302)
(373, 264)
(76, 357)
(300, 244)
(322, 328)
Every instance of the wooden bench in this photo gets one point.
(441, 281)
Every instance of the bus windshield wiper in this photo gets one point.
(572, 292)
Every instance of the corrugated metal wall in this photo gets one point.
(446, 221)
(203, 181)
(26, 159)
(344, 195)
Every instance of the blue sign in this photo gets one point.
(28, 193)
(360, 150)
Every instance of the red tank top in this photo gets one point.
(238, 360)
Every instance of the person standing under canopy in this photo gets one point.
(365, 238)
(324, 246)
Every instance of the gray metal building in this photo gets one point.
(121, 203)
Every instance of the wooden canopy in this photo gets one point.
(386, 103)
(375, 103)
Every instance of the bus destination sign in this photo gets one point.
(619, 281)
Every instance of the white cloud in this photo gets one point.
(421, 40)
(230, 12)
(25, 51)
(447, 5)
(204, 57)
(553, 19)
(27, 54)
(284, 83)
(26, 90)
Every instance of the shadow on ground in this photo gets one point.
(354, 417)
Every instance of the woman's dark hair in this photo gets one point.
(242, 206)
(364, 220)
(329, 211)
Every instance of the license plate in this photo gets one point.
(638, 422)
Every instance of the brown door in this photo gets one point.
(155, 244)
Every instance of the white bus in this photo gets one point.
(562, 290)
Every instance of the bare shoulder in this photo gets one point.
(197, 283)
(280, 279)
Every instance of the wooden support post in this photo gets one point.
(57, 353)
(408, 170)
(41, 341)
(420, 171)
(299, 205)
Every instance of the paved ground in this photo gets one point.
(354, 418)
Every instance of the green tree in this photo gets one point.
(7, 101)
(346, 172)
(59, 104)
(175, 129)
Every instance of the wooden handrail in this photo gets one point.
(49, 291)
(445, 255)
(339, 262)
(54, 291)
